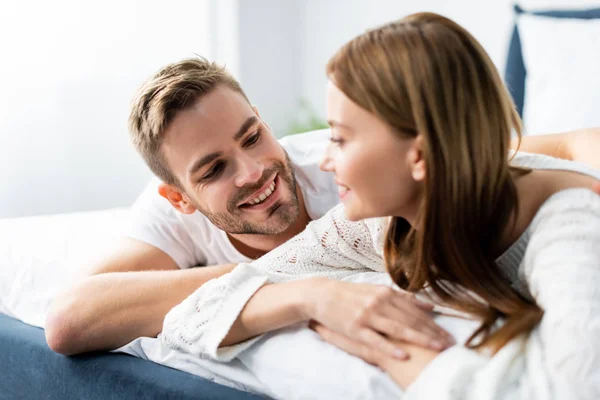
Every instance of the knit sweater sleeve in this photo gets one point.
(330, 247)
(561, 357)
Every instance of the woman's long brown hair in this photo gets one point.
(427, 75)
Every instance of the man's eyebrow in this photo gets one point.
(201, 162)
(245, 126)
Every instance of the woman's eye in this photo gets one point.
(337, 141)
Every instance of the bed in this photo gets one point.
(43, 254)
(40, 256)
(552, 68)
(32, 371)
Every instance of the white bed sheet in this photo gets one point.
(42, 255)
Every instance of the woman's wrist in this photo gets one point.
(310, 294)
(404, 373)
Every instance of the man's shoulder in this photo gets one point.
(190, 239)
(306, 151)
(307, 147)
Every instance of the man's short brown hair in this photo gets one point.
(174, 88)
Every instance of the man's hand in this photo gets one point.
(377, 315)
(582, 145)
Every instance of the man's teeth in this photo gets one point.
(261, 197)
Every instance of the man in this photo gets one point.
(229, 193)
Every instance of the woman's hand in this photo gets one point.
(376, 316)
(403, 372)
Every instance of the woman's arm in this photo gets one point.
(560, 359)
(582, 145)
(259, 297)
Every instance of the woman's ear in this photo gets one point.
(177, 199)
(417, 160)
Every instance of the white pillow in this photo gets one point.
(41, 255)
(294, 363)
(562, 60)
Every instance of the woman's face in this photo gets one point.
(378, 171)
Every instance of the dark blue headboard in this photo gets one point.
(515, 73)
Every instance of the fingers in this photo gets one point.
(399, 316)
(399, 331)
(404, 314)
(371, 339)
(419, 303)
(354, 347)
(375, 340)
(596, 188)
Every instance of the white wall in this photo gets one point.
(68, 72)
(329, 24)
(271, 37)
(69, 69)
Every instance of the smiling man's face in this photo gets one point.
(230, 166)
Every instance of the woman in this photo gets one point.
(421, 126)
(460, 206)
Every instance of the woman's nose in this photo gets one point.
(326, 163)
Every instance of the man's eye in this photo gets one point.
(252, 140)
(213, 172)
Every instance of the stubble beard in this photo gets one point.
(281, 215)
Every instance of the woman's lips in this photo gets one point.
(343, 191)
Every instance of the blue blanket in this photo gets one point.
(30, 370)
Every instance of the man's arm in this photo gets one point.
(582, 145)
(125, 296)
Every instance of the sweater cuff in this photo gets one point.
(447, 376)
(226, 317)
(199, 324)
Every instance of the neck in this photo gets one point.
(255, 246)
(410, 212)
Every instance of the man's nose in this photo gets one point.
(249, 171)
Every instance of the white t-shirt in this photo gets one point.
(191, 239)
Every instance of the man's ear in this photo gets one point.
(177, 199)
(416, 159)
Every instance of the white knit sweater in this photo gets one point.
(556, 261)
